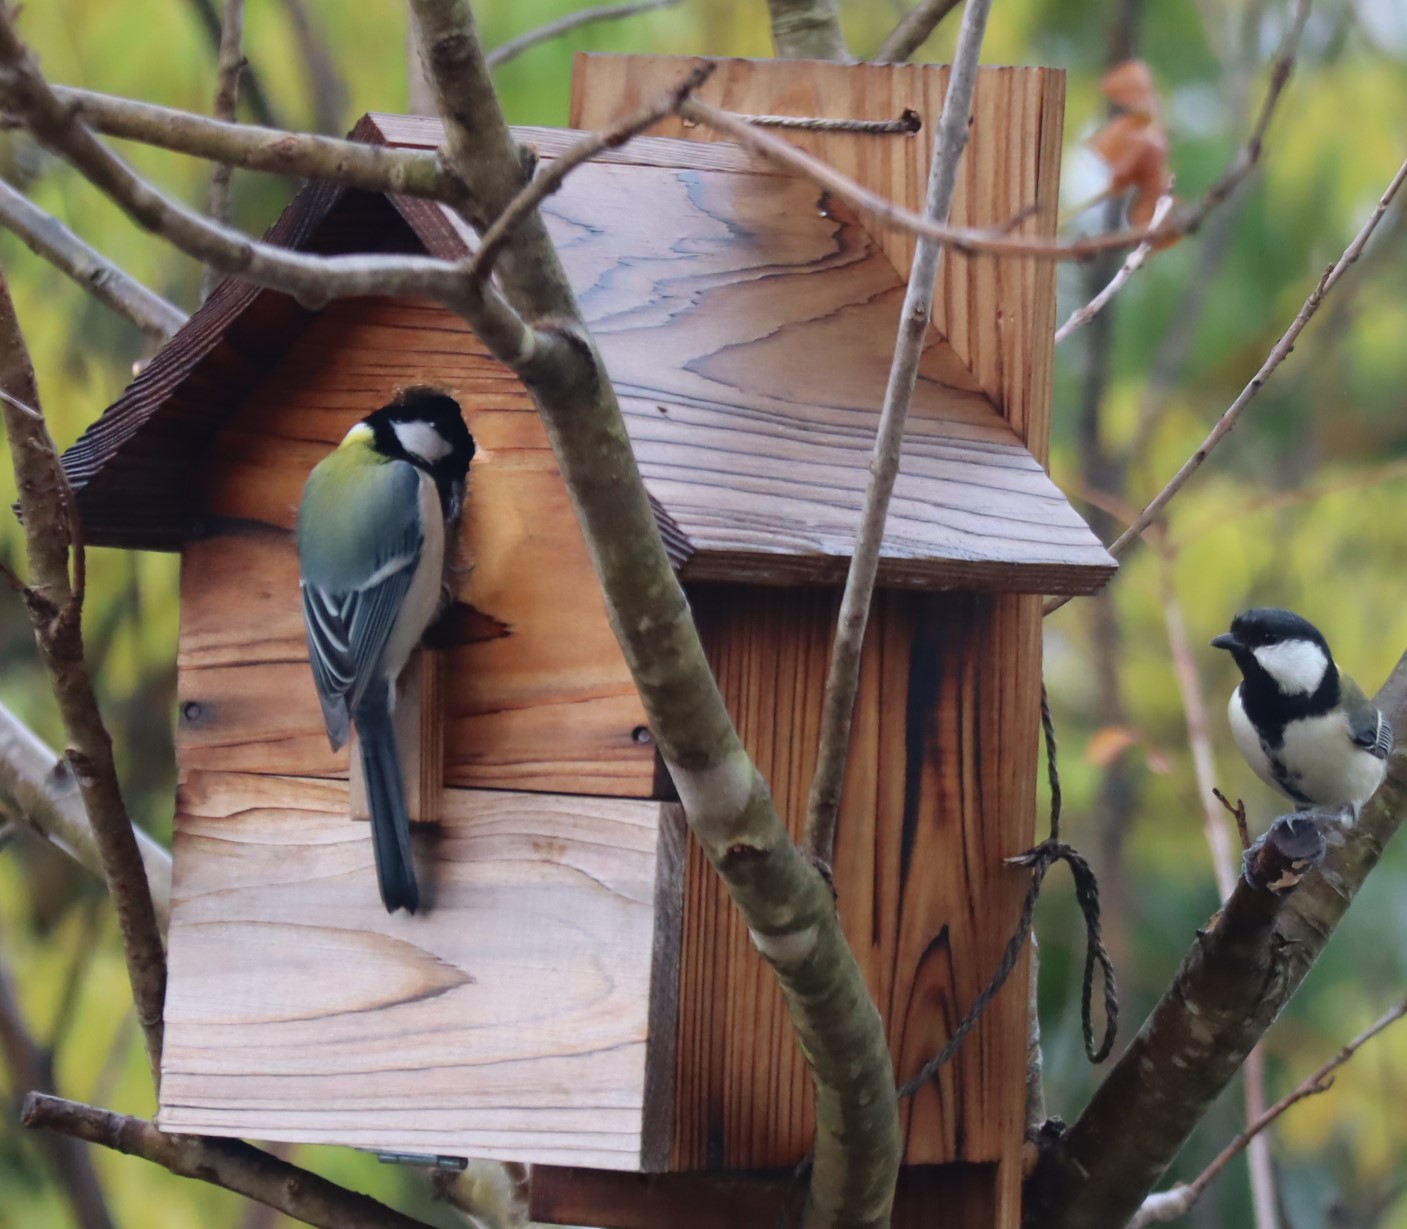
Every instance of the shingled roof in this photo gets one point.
(747, 324)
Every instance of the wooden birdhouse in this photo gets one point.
(579, 993)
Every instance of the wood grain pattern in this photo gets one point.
(928, 1197)
(940, 788)
(508, 1021)
(537, 693)
(997, 314)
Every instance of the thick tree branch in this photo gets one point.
(1169, 1205)
(47, 800)
(372, 168)
(1239, 975)
(807, 30)
(1278, 354)
(784, 901)
(843, 679)
(228, 1163)
(31, 1068)
(55, 603)
(914, 29)
(46, 236)
(515, 47)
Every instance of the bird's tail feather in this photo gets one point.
(385, 794)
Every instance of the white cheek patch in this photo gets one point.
(1297, 666)
(421, 440)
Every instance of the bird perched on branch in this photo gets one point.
(1304, 726)
(375, 528)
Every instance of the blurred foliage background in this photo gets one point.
(1303, 507)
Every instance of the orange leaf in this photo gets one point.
(1130, 85)
(1136, 152)
(1107, 744)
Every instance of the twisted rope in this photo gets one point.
(1040, 859)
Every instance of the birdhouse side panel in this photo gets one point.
(940, 788)
(507, 1019)
(537, 695)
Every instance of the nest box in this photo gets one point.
(579, 993)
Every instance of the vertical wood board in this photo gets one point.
(537, 694)
(940, 789)
(507, 1020)
(998, 314)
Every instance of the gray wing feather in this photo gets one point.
(1371, 731)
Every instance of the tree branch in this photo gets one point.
(785, 903)
(31, 1067)
(231, 64)
(228, 1163)
(372, 168)
(843, 680)
(46, 236)
(914, 29)
(1081, 316)
(515, 47)
(1233, 984)
(55, 604)
(1278, 354)
(209, 17)
(325, 81)
(47, 800)
(1169, 1205)
(807, 30)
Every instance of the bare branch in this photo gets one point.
(1168, 1205)
(843, 680)
(784, 902)
(47, 800)
(31, 1067)
(372, 168)
(515, 47)
(1081, 316)
(325, 81)
(914, 29)
(807, 30)
(228, 1163)
(231, 64)
(46, 236)
(210, 22)
(1278, 354)
(549, 180)
(55, 609)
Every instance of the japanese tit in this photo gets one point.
(1303, 725)
(375, 528)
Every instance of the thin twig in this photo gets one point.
(515, 47)
(1168, 1205)
(49, 238)
(913, 30)
(1081, 316)
(843, 680)
(231, 64)
(1278, 354)
(210, 22)
(325, 81)
(228, 1163)
(550, 178)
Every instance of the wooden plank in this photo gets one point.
(420, 741)
(658, 1130)
(950, 1196)
(507, 1020)
(537, 693)
(940, 789)
(998, 314)
(709, 318)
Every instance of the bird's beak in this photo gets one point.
(1227, 640)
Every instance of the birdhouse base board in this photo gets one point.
(509, 1019)
(958, 1196)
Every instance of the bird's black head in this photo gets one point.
(1283, 658)
(426, 427)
